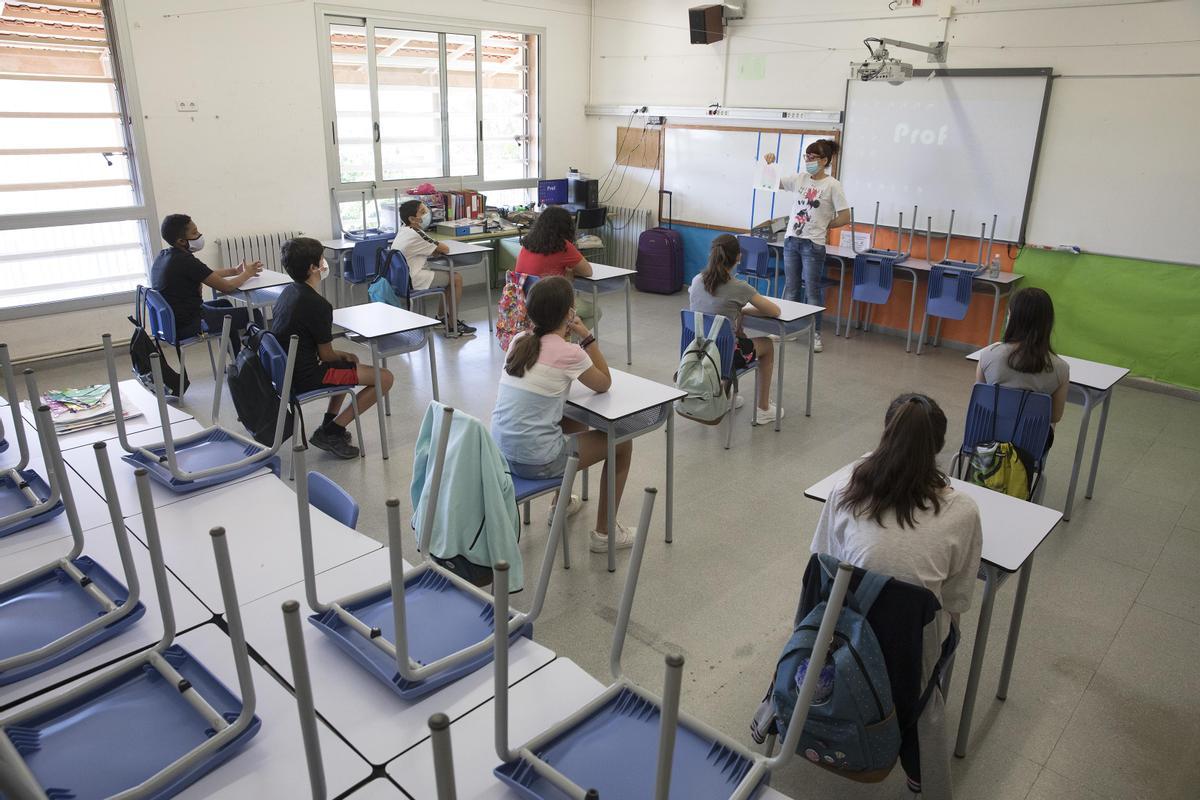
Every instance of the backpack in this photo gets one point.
(699, 375)
(380, 291)
(1002, 466)
(512, 317)
(851, 727)
(253, 394)
(141, 346)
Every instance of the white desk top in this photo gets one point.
(339, 244)
(1089, 374)
(371, 717)
(789, 311)
(536, 703)
(458, 248)
(259, 516)
(603, 272)
(629, 394)
(265, 280)
(1012, 528)
(101, 546)
(133, 396)
(371, 320)
(83, 461)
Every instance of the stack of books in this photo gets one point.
(80, 409)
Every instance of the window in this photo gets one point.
(409, 103)
(72, 216)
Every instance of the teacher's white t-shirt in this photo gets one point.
(817, 203)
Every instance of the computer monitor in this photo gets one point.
(552, 193)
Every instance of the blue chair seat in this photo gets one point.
(528, 488)
(324, 391)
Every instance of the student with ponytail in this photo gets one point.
(716, 291)
(528, 423)
(898, 515)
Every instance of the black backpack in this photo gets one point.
(141, 346)
(253, 394)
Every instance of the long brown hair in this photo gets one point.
(548, 304)
(1030, 322)
(901, 475)
(721, 258)
(551, 232)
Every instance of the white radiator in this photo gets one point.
(262, 247)
(620, 234)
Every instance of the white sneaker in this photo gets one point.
(738, 401)
(573, 507)
(817, 346)
(599, 542)
(766, 416)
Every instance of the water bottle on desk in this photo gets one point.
(994, 270)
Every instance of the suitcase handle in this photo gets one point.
(670, 206)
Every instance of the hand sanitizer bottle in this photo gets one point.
(994, 272)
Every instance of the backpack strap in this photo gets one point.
(868, 590)
(697, 327)
(714, 328)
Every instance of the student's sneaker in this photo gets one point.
(738, 401)
(573, 508)
(817, 346)
(334, 443)
(599, 542)
(465, 329)
(766, 416)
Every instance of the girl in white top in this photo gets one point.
(898, 515)
(820, 205)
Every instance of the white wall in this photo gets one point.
(252, 159)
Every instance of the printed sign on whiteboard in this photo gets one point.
(862, 241)
(766, 176)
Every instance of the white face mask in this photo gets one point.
(324, 269)
(196, 245)
(426, 218)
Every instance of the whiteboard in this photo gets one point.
(948, 142)
(711, 174)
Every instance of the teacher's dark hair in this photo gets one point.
(824, 148)
(722, 257)
(901, 474)
(551, 232)
(547, 306)
(1030, 323)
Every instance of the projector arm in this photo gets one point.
(936, 50)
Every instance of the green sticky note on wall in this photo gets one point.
(751, 68)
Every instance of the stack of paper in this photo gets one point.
(79, 409)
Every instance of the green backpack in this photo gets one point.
(706, 396)
(1002, 466)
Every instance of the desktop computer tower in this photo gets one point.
(583, 192)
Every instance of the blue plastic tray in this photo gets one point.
(52, 605)
(13, 500)
(126, 730)
(213, 450)
(615, 752)
(3, 445)
(442, 619)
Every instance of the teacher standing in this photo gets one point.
(820, 205)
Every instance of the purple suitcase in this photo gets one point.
(660, 260)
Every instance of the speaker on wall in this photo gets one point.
(706, 23)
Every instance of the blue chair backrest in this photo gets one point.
(364, 257)
(397, 272)
(872, 278)
(332, 499)
(755, 256)
(725, 341)
(273, 358)
(1004, 414)
(159, 316)
(949, 294)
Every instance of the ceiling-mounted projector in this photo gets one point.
(881, 67)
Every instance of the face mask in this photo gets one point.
(426, 218)
(812, 167)
(324, 269)
(196, 245)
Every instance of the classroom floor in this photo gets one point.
(1105, 698)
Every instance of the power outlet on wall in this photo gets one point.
(186, 106)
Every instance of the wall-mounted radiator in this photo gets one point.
(620, 234)
(262, 247)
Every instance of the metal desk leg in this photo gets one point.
(981, 636)
(1014, 629)
(912, 306)
(670, 469)
(995, 287)
(1099, 443)
(487, 286)
(452, 302)
(1088, 400)
(432, 362)
(596, 309)
(837, 325)
(812, 333)
(778, 380)
(629, 327)
(383, 446)
(610, 492)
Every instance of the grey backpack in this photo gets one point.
(699, 375)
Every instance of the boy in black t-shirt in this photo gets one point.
(179, 276)
(303, 312)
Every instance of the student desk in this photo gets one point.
(838, 254)
(793, 318)
(375, 321)
(1012, 530)
(339, 247)
(632, 406)
(247, 293)
(259, 517)
(134, 398)
(609, 279)
(372, 717)
(1091, 383)
(101, 545)
(463, 255)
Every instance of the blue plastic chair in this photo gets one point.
(397, 272)
(1003, 414)
(160, 322)
(755, 265)
(332, 499)
(361, 267)
(872, 285)
(274, 361)
(949, 297)
(725, 346)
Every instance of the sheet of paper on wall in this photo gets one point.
(766, 176)
(862, 241)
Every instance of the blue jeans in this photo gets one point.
(804, 269)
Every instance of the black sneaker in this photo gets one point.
(464, 328)
(334, 443)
